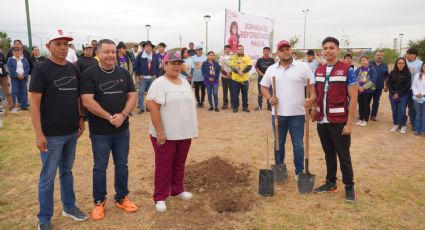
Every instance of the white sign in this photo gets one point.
(252, 31)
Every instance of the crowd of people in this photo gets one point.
(107, 81)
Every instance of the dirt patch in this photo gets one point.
(228, 187)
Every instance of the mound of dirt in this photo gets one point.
(226, 187)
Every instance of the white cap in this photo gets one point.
(87, 45)
(58, 34)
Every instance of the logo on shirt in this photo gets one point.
(109, 86)
(339, 72)
(63, 81)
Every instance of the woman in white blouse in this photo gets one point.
(173, 124)
(418, 89)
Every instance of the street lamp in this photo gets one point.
(305, 23)
(148, 27)
(206, 19)
(401, 41)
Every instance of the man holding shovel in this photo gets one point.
(336, 88)
(291, 77)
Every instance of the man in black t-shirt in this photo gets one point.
(262, 64)
(57, 119)
(109, 95)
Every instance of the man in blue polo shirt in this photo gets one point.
(382, 70)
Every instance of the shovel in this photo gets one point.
(265, 182)
(280, 172)
(306, 180)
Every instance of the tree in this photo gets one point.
(5, 42)
(294, 41)
(420, 46)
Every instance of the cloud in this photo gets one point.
(365, 23)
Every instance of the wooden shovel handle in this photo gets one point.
(276, 122)
(307, 121)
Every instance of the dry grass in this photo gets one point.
(389, 172)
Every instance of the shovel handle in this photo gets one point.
(276, 122)
(307, 126)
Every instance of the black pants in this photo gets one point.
(227, 89)
(364, 106)
(335, 144)
(260, 95)
(411, 107)
(199, 85)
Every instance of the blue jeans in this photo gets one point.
(399, 110)
(102, 145)
(19, 92)
(61, 153)
(144, 86)
(375, 105)
(241, 87)
(420, 117)
(212, 90)
(295, 125)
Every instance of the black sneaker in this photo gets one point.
(235, 110)
(350, 195)
(75, 214)
(246, 110)
(216, 109)
(210, 109)
(258, 108)
(202, 105)
(199, 105)
(327, 187)
(45, 226)
(224, 107)
(141, 111)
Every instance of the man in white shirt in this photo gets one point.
(291, 77)
(72, 56)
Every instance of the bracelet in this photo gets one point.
(125, 116)
(160, 133)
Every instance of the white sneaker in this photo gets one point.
(161, 206)
(403, 130)
(185, 195)
(296, 177)
(363, 124)
(394, 128)
(15, 110)
(359, 122)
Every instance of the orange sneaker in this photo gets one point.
(98, 212)
(126, 205)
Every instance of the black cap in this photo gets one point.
(412, 51)
(310, 52)
(148, 43)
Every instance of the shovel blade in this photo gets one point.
(266, 183)
(280, 172)
(306, 182)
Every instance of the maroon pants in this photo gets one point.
(170, 159)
